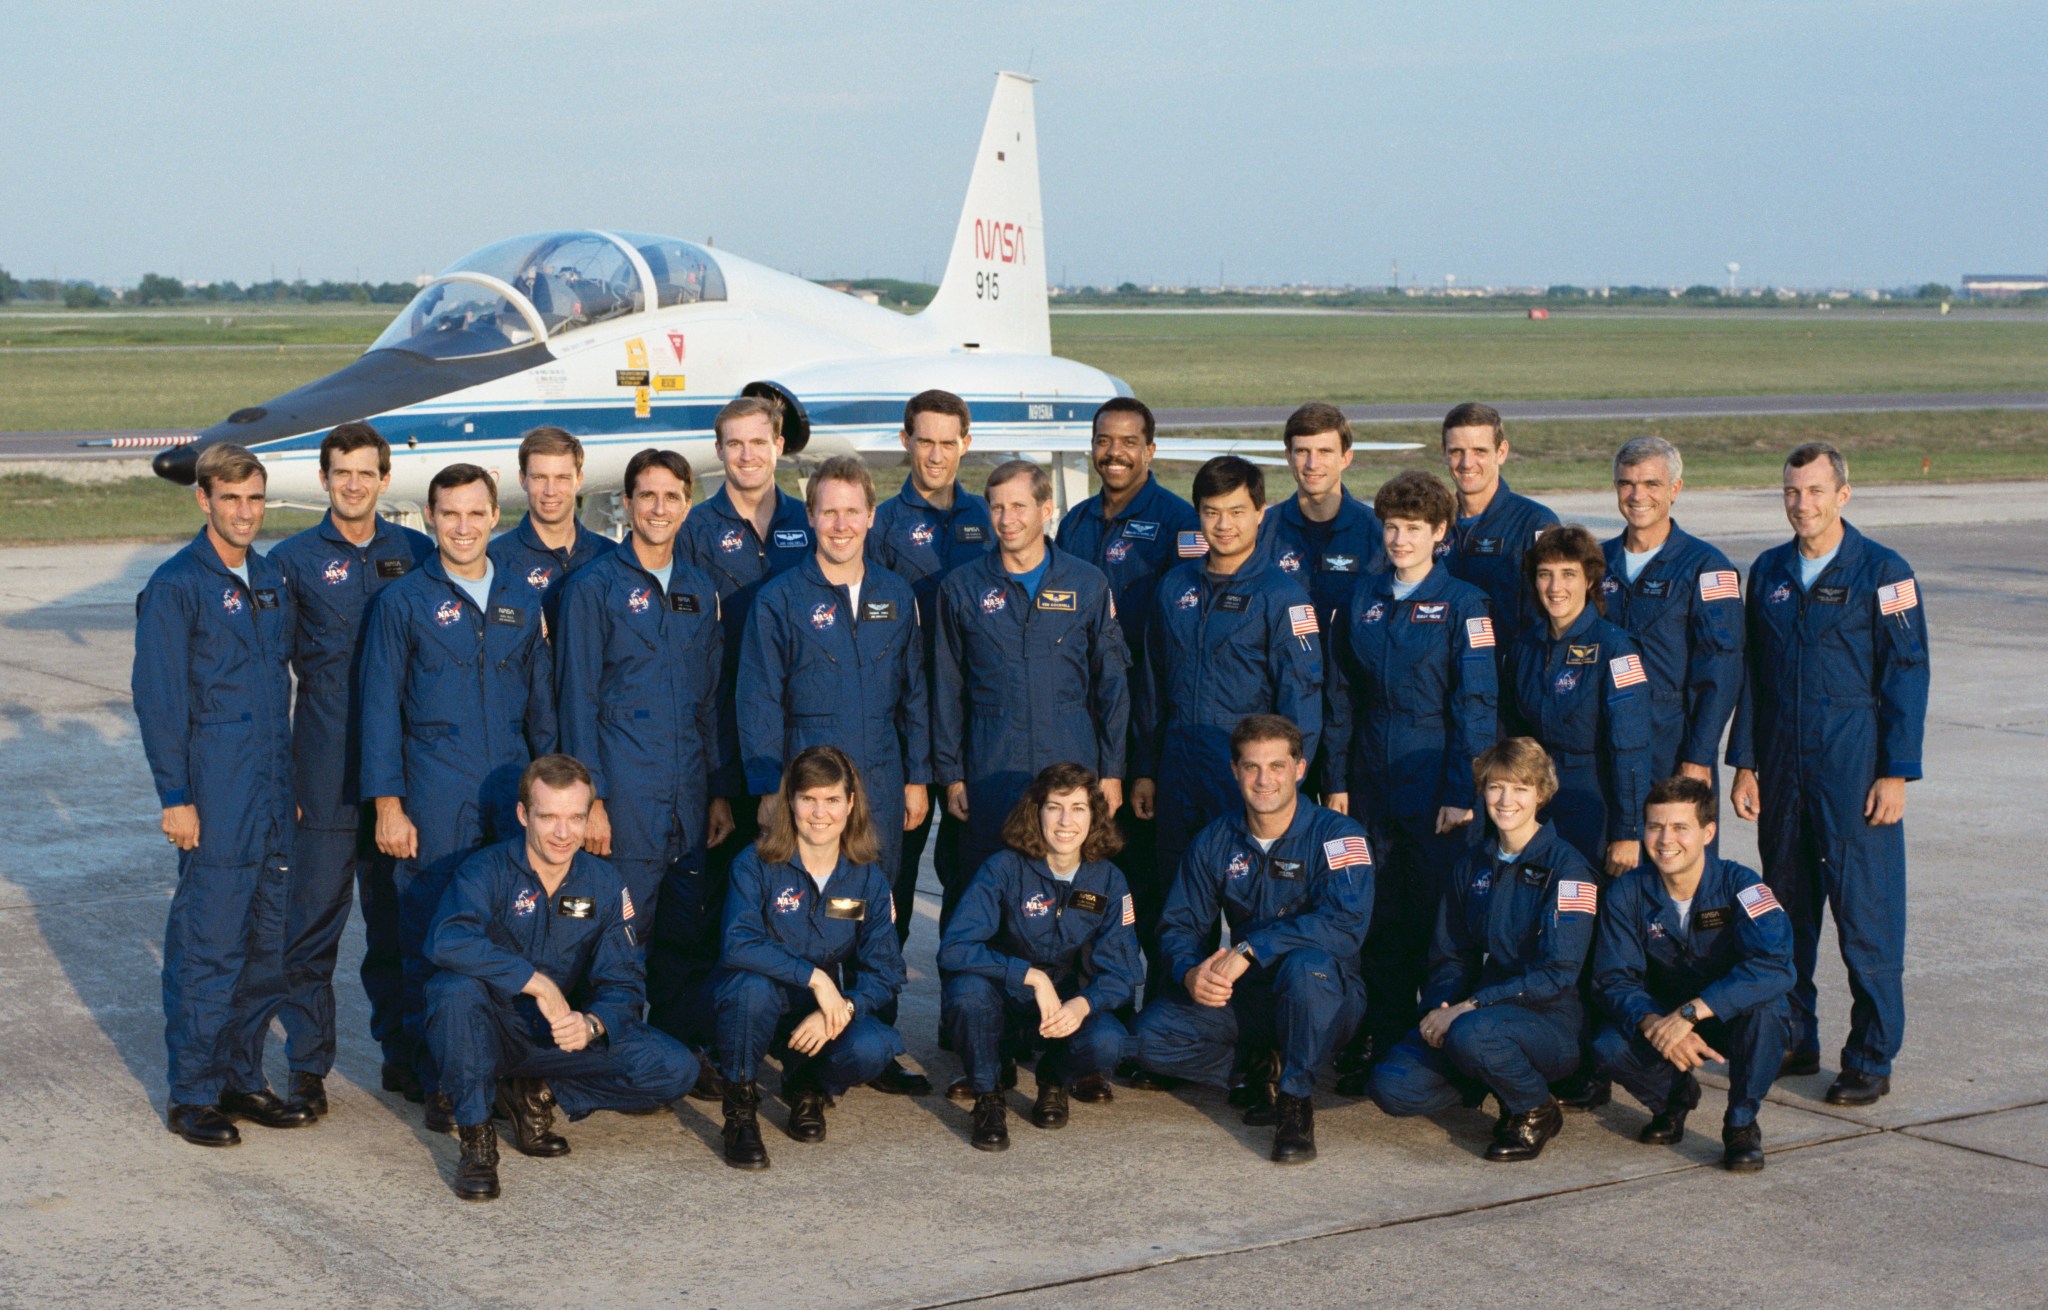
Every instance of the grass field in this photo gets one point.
(156, 373)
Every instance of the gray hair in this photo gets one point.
(1641, 450)
(1814, 450)
(1041, 481)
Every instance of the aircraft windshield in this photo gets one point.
(572, 278)
(683, 273)
(455, 319)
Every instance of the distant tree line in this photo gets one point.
(157, 289)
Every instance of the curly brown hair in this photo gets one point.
(1023, 834)
(1569, 543)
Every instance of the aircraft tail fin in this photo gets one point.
(993, 294)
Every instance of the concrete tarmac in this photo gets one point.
(1937, 1193)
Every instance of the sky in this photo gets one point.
(1852, 143)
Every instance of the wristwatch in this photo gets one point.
(1245, 949)
(1690, 1013)
(596, 1026)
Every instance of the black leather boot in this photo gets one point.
(1584, 1091)
(530, 1106)
(1667, 1127)
(806, 1106)
(710, 1083)
(440, 1113)
(1853, 1087)
(1742, 1149)
(309, 1090)
(201, 1125)
(263, 1106)
(476, 1175)
(743, 1146)
(1262, 1083)
(1093, 1090)
(899, 1081)
(1050, 1109)
(1522, 1136)
(991, 1123)
(1294, 1140)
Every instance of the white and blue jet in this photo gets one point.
(629, 341)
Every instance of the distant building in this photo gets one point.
(1996, 285)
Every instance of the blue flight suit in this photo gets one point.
(1081, 932)
(1022, 683)
(332, 582)
(1685, 612)
(1329, 559)
(531, 561)
(1836, 698)
(922, 544)
(1409, 701)
(723, 545)
(1217, 649)
(456, 703)
(636, 676)
(1486, 551)
(1734, 953)
(1303, 906)
(779, 928)
(817, 671)
(1505, 940)
(1586, 697)
(496, 927)
(212, 692)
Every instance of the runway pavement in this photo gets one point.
(1938, 1194)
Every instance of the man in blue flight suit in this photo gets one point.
(745, 533)
(1134, 530)
(1693, 949)
(549, 544)
(1324, 536)
(1030, 671)
(1681, 600)
(636, 674)
(832, 657)
(1410, 701)
(538, 996)
(1294, 881)
(924, 532)
(1501, 1010)
(333, 570)
(1495, 526)
(1828, 733)
(1229, 635)
(212, 690)
(457, 693)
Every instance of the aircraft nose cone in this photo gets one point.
(178, 464)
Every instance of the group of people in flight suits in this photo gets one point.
(625, 820)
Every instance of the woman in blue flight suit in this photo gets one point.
(1043, 946)
(1411, 698)
(1577, 684)
(1501, 1010)
(810, 955)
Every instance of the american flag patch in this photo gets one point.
(1303, 619)
(1575, 897)
(626, 907)
(1720, 585)
(1130, 910)
(1343, 852)
(1897, 598)
(1758, 901)
(1479, 632)
(1192, 544)
(1627, 670)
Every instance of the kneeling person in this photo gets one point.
(1042, 947)
(1295, 883)
(540, 979)
(1501, 1010)
(1693, 950)
(810, 954)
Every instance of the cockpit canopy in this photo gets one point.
(534, 288)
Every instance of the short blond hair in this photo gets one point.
(840, 468)
(1520, 760)
(227, 463)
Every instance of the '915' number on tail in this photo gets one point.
(986, 287)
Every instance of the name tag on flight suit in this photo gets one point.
(1141, 530)
(1433, 611)
(845, 907)
(1707, 919)
(1830, 595)
(1233, 602)
(877, 611)
(684, 603)
(1486, 546)
(1056, 600)
(507, 615)
(1288, 870)
(969, 532)
(575, 907)
(1535, 874)
(266, 599)
(393, 568)
(1582, 655)
(1089, 901)
(791, 538)
(1654, 588)
(1338, 564)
